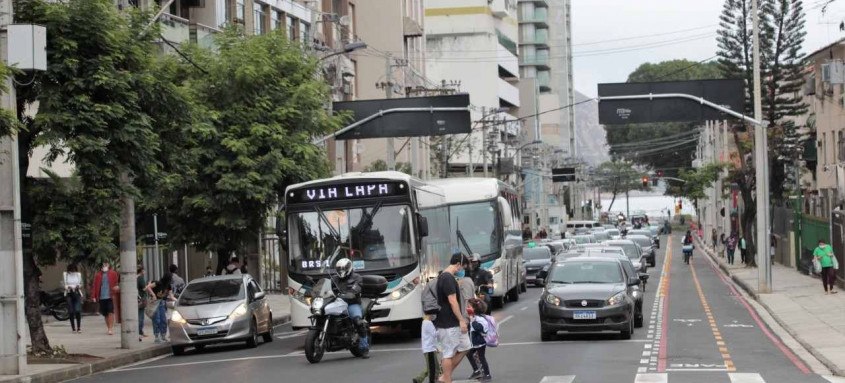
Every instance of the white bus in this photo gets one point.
(381, 222)
(487, 212)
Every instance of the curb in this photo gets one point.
(750, 291)
(86, 369)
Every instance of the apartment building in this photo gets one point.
(475, 42)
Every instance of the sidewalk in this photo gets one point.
(95, 351)
(798, 303)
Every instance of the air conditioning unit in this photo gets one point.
(810, 85)
(833, 72)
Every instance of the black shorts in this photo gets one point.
(106, 307)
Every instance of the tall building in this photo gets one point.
(475, 42)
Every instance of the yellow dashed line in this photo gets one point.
(723, 349)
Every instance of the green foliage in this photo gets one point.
(635, 142)
(380, 166)
(7, 118)
(261, 105)
(695, 182)
(616, 177)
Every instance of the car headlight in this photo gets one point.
(317, 305)
(617, 299)
(238, 311)
(552, 300)
(177, 317)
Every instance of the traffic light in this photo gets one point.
(659, 174)
(645, 181)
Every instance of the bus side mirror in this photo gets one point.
(422, 224)
(282, 231)
(505, 212)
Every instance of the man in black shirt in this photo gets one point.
(450, 324)
(482, 278)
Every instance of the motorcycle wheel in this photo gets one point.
(60, 312)
(313, 351)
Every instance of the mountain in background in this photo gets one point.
(589, 135)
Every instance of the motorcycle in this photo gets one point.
(55, 304)
(332, 329)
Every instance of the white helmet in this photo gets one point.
(343, 267)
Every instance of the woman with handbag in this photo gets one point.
(72, 282)
(823, 254)
(159, 292)
(688, 246)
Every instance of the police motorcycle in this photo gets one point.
(332, 329)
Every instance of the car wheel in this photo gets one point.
(626, 334)
(252, 341)
(547, 335)
(177, 350)
(268, 336)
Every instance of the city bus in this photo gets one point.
(487, 214)
(386, 223)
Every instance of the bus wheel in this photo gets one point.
(523, 287)
(498, 302)
(513, 294)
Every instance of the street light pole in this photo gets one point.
(764, 271)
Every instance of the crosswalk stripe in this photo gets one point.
(652, 378)
(745, 378)
(558, 379)
(834, 379)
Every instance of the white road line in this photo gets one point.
(558, 379)
(292, 335)
(651, 378)
(833, 379)
(524, 308)
(642, 369)
(507, 318)
(696, 369)
(646, 353)
(160, 357)
(745, 378)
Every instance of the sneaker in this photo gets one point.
(485, 378)
(475, 375)
(157, 341)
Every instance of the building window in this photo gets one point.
(240, 10)
(275, 20)
(351, 29)
(305, 32)
(292, 23)
(258, 18)
(824, 148)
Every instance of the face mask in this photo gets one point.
(105, 268)
(460, 273)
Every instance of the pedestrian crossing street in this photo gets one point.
(668, 377)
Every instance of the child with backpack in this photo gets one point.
(428, 336)
(483, 333)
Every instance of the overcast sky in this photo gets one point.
(677, 29)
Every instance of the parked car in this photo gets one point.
(555, 247)
(584, 238)
(535, 259)
(656, 230)
(632, 250)
(648, 248)
(588, 294)
(220, 309)
(613, 233)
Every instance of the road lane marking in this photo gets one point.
(833, 379)
(507, 318)
(765, 329)
(663, 308)
(295, 334)
(651, 378)
(695, 369)
(524, 308)
(717, 335)
(558, 379)
(746, 378)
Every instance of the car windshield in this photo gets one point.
(581, 239)
(477, 222)
(531, 254)
(640, 240)
(210, 292)
(631, 249)
(374, 238)
(586, 272)
(612, 232)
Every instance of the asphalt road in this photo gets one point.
(698, 328)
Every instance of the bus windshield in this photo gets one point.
(374, 238)
(477, 222)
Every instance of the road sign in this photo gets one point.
(563, 175)
(407, 124)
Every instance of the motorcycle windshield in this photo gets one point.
(374, 238)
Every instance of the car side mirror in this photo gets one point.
(422, 224)
(259, 296)
(633, 282)
(542, 274)
(644, 277)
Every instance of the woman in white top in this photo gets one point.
(72, 282)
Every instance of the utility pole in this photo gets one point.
(388, 93)
(483, 140)
(12, 330)
(764, 271)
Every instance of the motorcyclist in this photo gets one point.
(349, 284)
(482, 278)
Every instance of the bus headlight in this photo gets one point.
(495, 269)
(400, 292)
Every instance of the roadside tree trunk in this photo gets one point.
(32, 306)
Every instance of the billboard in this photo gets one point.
(727, 93)
(563, 174)
(407, 124)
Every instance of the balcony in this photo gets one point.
(508, 93)
(175, 29)
(537, 3)
(540, 39)
(544, 81)
(539, 17)
(541, 62)
(203, 35)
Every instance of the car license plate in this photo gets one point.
(584, 315)
(207, 331)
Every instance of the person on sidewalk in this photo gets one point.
(714, 237)
(731, 247)
(743, 251)
(105, 285)
(477, 355)
(723, 240)
(233, 268)
(824, 254)
(160, 289)
(429, 348)
(72, 282)
(142, 301)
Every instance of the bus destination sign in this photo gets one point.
(341, 192)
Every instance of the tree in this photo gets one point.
(262, 105)
(694, 183)
(104, 105)
(380, 166)
(616, 177)
(661, 145)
